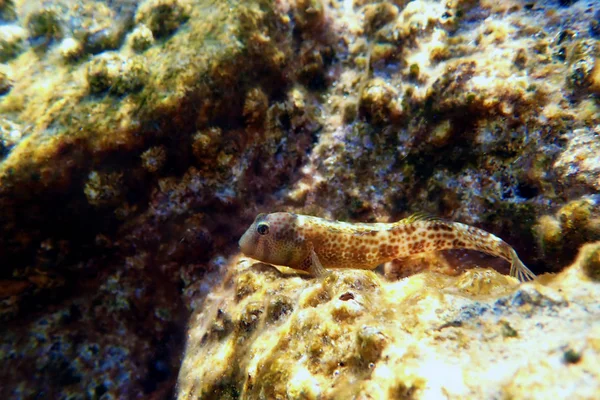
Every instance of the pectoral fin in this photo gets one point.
(316, 268)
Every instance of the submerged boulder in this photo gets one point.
(355, 334)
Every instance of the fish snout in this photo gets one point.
(245, 244)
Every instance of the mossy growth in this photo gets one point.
(590, 263)
(5, 82)
(549, 232)
(571, 356)
(44, 25)
(98, 28)
(580, 73)
(163, 17)
(372, 341)
(383, 52)
(414, 71)
(206, 146)
(104, 188)
(582, 59)
(141, 38)
(70, 49)
(7, 10)
(115, 74)
(520, 59)
(561, 234)
(255, 106)
(12, 42)
(507, 330)
(378, 15)
(250, 317)
(379, 102)
(349, 111)
(279, 308)
(10, 135)
(154, 158)
(309, 14)
(575, 214)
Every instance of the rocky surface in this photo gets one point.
(123, 147)
(139, 139)
(354, 334)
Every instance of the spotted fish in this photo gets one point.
(314, 244)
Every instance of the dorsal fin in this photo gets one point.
(418, 216)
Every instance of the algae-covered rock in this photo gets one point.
(70, 49)
(163, 17)
(380, 102)
(579, 162)
(102, 189)
(12, 41)
(354, 334)
(139, 139)
(5, 81)
(116, 74)
(44, 24)
(141, 38)
(574, 224)
(96, 148)
(154, 158)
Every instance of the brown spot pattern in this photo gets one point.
(341, 245)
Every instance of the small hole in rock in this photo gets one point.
(347, 296)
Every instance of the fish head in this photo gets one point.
(273, 238)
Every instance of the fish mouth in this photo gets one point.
(244, 244)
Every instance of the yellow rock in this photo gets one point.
(595, 78)
(353, 334)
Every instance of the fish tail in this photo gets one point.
(444, 235)
(478, 239)
(518, 269)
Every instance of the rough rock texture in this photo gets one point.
(139, 139)
(354, 334)
(120, 166)
(469, 110)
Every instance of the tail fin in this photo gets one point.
(518, 269)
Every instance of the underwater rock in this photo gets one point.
(377, 15)
(140, 38)
(10, 135)
(12, 41)
(205, 145)
(6, 82)
(44, 25)
(354, 334)
(582, 59)
(138, 141)
(163, 17)
(154, 158)
(98, 27)
(379, 102)
(7, 10)
(255, 106)
(70, 49)
(579, 162)
(104, 188)
(310, 15)
(116, 74)
(574, 224)
(590, 261)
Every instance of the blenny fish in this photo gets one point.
(314, 244)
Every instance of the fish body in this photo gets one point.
(314, 244)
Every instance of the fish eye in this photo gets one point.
(262, 228)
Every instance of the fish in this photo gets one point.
(315, 245)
